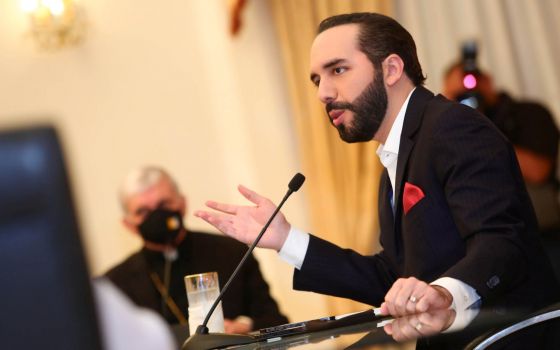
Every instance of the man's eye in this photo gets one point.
(316, 82)
(339, 70)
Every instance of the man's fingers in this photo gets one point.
(220, 221)
(202, 214)
(435, 298)
(406, 328)
(424, 304)
(406, 296)
(417, 297)
(251, 195)
(211, 217)
(429, 300)
(384, 310)
(399, 297)
(223, 207)
(390, 297)
(388, 328)
(407, 300)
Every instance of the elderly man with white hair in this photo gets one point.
(154, 209)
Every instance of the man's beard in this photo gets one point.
(369, 110)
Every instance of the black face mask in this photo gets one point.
(161, 226)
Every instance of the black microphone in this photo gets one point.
(204, 340)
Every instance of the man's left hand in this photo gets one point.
(409, 296)
(236, 327)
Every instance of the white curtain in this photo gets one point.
(518, 40)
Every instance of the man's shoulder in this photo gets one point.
(134, 262)
(445, 106)
(440, 110)
(444, 120)
(435, 108)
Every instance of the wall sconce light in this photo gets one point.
(55, 23)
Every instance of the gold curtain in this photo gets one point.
(342, 179)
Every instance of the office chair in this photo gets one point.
(539, 330)
(45, 294)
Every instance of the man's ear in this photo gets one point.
(393, 69)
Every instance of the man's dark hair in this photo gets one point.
(379, 37)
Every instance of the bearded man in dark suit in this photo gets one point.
(457, 226)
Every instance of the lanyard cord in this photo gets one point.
(166, 299)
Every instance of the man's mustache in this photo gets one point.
(339, 105)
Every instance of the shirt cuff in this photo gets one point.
(465, 301)
(295, 247)
(463, 295)
(462, 319)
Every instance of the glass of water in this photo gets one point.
(202, 291)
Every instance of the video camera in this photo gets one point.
(471, 77)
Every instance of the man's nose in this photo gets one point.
(326, 92)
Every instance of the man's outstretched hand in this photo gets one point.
(244, 223)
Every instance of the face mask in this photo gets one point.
(161, 226)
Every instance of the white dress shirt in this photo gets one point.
(294, 249)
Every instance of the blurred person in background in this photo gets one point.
(529, 126)
(153, 208)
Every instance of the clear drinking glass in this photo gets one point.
(202, 291)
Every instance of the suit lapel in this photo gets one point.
(412, 120)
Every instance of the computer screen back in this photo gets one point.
(45, 295)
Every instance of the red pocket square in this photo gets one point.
(412, 195)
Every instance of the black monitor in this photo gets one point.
(46, 299)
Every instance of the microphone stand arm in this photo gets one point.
(202, 329)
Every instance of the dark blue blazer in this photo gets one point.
(475, 222)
